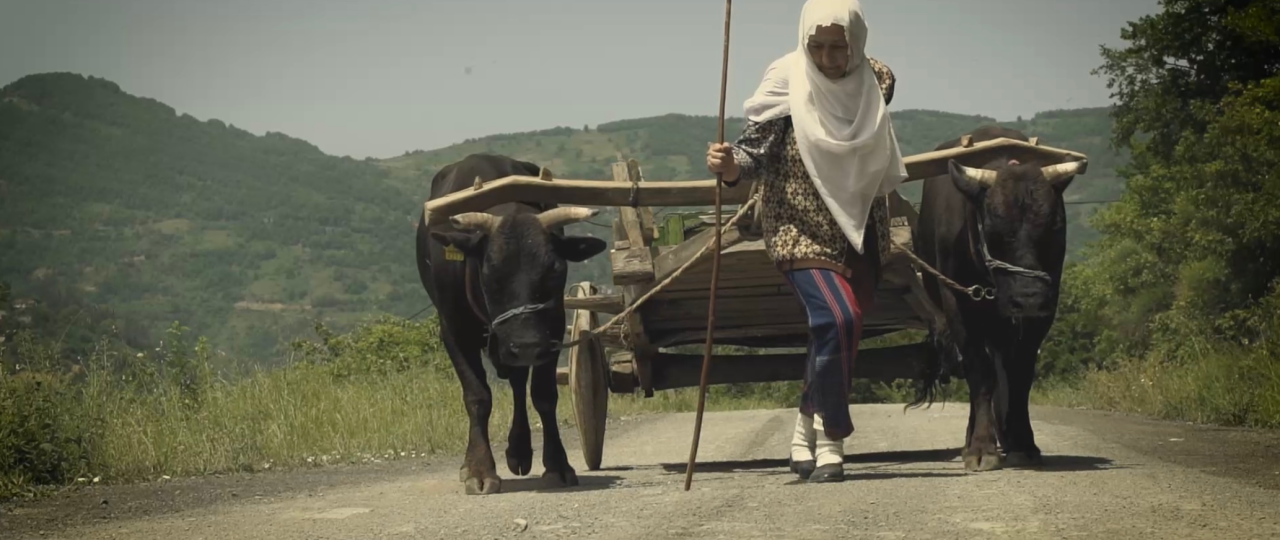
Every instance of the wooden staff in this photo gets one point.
(715, 263)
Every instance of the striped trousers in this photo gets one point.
(835, 326)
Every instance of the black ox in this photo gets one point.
(497, 280)
(1001, 226)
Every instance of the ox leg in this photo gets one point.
(1019, 440)
(519, 439)
(980, 451)
(478, 473)
(555, 461)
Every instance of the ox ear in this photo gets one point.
(577, 248)
(470, 243)
(971, 182)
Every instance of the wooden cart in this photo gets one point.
(755, 307)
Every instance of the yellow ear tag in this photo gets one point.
(452, 254)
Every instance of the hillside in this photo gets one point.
(117, 200)
(117, 212)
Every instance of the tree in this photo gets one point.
(1193, 52)
(1192, 250)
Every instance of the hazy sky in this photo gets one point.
(379, 77)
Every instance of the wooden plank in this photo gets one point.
(684, 370)
(667, 263)
(622, 373)
(762, 337)
(637, 339)
(767, 290)
(629, 217)
(619, 236)
(703, 282)
(689, 321)
(632, 266)
(722, 335)
(622, 378)
(645, 213)
(755, 266)
(607, 303)
(778, 306)
(781, 318)
(702, 192)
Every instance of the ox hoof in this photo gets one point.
(519, 462)
(483, 486)
(560, 479)
(982, 462)
(1023, 459)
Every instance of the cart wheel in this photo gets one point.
(588, 382)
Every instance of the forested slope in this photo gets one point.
(118, 212)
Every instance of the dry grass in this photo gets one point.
(1231, 386)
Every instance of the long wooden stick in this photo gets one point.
(715, 263)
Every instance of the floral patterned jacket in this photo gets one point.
(799, 231)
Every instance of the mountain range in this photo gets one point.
(120, 214)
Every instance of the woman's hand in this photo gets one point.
(720, 161)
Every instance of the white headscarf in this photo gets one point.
(842, 126)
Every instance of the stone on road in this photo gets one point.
(1105, 476)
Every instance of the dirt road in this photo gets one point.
(1107, 476)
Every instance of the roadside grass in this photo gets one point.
(1228, 385)
(383, 391)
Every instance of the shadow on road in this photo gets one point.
(903, 456)
(1052, 463)
(1056, 463)
(586, 482)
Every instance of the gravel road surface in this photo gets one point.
(1106, 476)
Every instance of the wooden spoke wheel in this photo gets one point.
(588, 381)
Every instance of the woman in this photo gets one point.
(819, 135)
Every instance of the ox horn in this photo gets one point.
(476, 221)
(983, 177)
(559, 217)
(1056, 173)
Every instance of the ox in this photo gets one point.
(497, 280)
(1001, 226)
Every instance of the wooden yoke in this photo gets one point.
(620, 192)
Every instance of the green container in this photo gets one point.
(671, 231)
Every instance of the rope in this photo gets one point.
(976, 292)
(658, 288)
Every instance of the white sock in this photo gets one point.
(827, 451)
(802, 439)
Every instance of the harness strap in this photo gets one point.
(527, 308)
(992, 263)
(478, 307)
